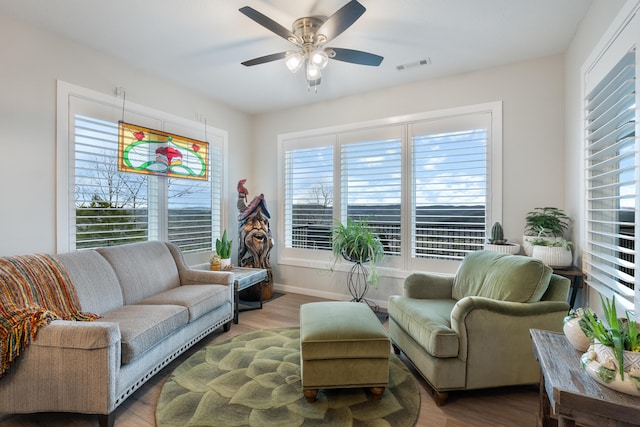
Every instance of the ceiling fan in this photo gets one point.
(310, 34)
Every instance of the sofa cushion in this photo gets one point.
(143, 269)
(428, 322)
(502, 277)
(198, 299)
(144, 326)
(95, 281)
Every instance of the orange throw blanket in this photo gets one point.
(34, 290)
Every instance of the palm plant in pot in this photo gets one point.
(548, 223)
(497, 242)
(356, 242)
(614, 357)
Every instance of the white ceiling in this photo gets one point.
(200, 43)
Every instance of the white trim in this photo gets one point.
(323, 259)
(64, 158)
(622, 34)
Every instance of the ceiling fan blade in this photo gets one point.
(354, 56)
(263, 59)
(270, 24)
(341, 20)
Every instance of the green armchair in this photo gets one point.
(471, 330)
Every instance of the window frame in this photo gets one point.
(67, 96)
(322, 259)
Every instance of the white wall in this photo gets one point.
(533, 130)
(32, 61)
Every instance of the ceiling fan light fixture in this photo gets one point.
(294, 61)
(313, 72)
(319, 58)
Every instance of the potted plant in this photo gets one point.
(574, 326)
(546, 223)
(615, 352)
(497, 242)
(358, 243)
(554, 253)
(223, 250)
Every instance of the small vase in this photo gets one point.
(575, 335)
(225, 263)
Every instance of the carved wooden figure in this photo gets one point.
(255, 240)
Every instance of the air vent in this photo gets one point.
(420, 63)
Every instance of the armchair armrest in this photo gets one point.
(424, 285)
(483, 323)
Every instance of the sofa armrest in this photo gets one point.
(79, 335)
(190, 276)
(425, 285)
(69, 367)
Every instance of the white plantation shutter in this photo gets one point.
(612, 172)
(371, 181)
(308, 186)
(450, 188)
(111, 208)
(422, 182)
(101, 206)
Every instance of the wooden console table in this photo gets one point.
(568, 394)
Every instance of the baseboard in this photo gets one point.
(323, 294)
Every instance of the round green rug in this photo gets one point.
(253, 379)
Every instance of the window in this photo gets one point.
(105, 207)
(612, 181)
(422, 183)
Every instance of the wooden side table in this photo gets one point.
(570, 395)
(575, 275)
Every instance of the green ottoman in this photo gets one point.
(342, 345)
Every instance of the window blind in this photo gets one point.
(449, 173)
(113, 208)
(372, 187)
(612, 179)
(309, 197)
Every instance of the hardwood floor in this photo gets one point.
(508, 407)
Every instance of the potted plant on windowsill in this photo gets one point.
(356, 242)
(497, 242)
(546, 223)
(554, 253)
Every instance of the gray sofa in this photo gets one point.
(153, 308)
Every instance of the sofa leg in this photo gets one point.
(440, 397)
(227, 326)
(396, 349)
(106, 420)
